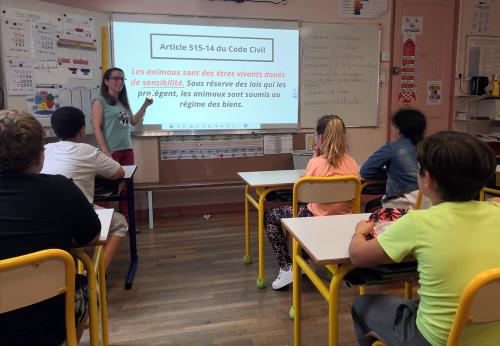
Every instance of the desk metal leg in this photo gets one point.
(297, 296)
(132, 235)
(333, 304)
(150, 210)
(261, 280)
(247, 259)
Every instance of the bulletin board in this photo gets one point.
(51, 57)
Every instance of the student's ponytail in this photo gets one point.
(334, 138)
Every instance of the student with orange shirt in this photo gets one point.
(330, 159)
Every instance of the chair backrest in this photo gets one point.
(484, 191)
(419, 200)
(479, 303)
(327, 190)
(29, 279)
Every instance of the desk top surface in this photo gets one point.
(129, 171)
(272, 178)
(105, 216)
(325, 238)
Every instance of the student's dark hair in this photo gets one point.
(21, 141)
(411, 124)
(460, 164)
(67, 122)
(122, 96)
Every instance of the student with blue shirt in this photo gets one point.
(396, 161)
(452, 241)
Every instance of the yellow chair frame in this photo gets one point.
(51, 271)
(479, 303)
(327, 190)
(485, 190)
(95, 270)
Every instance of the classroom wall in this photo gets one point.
(100, 20)
(463, 103)
(362, 141)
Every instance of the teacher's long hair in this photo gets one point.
(122, 96)
(333, 132)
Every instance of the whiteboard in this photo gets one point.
(339, 73)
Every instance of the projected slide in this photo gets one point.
(210, 77)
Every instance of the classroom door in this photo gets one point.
(424, 59)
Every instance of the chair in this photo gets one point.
(479, 303)
(327, 190)
(52, 272)
(489, 190)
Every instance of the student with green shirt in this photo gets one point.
(452, 242)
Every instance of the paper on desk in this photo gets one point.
(105, 216)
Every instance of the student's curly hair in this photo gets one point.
(21, 141)
(460, 164)
(332, 128)
(67, 122)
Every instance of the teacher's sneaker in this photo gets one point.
(285, 278)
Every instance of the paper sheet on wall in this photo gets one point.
(16, 38)
(48, 71)
(362, 8)
(32, 16)
(18, 76)
(412, 26)
(278, 144)
(77, 54)
(44, 38)
(481, 13)
(210, 147)
(65, 97)
(310, 139)
(434, 93)
(86, 101)
(76, 98)
(78, 27)
(44, 101)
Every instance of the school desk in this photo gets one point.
(326, 239)
(263, 183)
(105, 216)
(129, 181)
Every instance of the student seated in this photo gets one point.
(330, 159)
(82, 163)
(452, 241)
(396, 161)
(38, 212)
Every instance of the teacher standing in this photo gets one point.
(112, 118)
